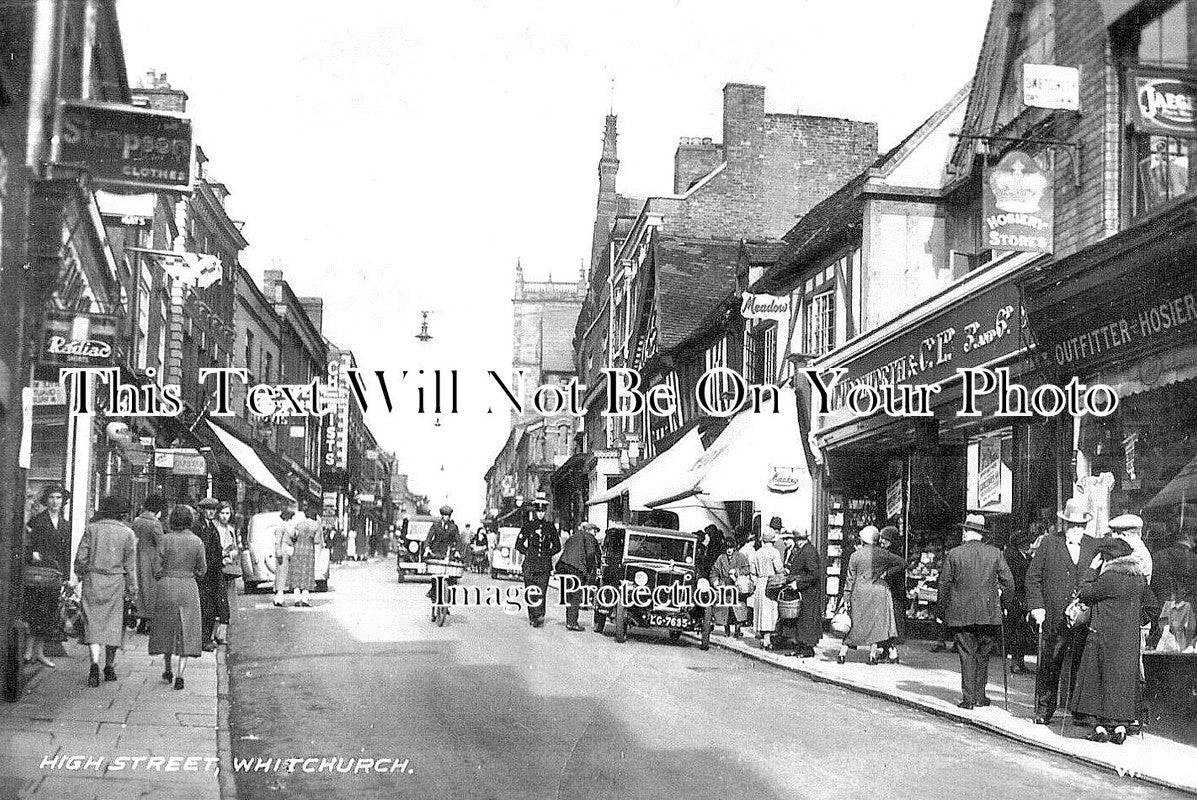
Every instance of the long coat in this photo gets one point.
(969, 584)
(1052, 576)
(51, 540)
(210, 584)
(581, 553)
(539, 542)
(867, 596)
(1021, 639)
(178, 564)
(1107, 683)
(107, 564)
(724, 573)
(767, 561)
(53, 543)
(442, 538)
(802, 569)
(148, 530)
(301, 573)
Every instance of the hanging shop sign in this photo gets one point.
(981, 329)
(72, 340)
(1018, 213)
(1050, 86)
(1163, 101)
(785, 479)
(766, 306)
(1143, 322)
(49, 393)
(181, 461)
(121, 145)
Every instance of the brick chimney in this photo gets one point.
(155, 92)
(314, 307)
(694, 158)
(743, 124)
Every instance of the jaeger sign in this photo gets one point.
(1164, 101)
(126, 146)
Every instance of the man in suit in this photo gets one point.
(211, 584)
(538, 541)
(1059, 566)
(579, 560)
(973, 575)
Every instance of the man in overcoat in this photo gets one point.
(1056, 572)
(802, 572)
(211, 585)
(580, 560)
(538, 541)
(973, 584)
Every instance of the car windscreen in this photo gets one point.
(417, 529)
(659, 548)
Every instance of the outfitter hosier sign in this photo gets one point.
(122, 145)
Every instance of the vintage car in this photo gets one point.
(409, 544)
(505, 560)
(257, 556)
(646, 558)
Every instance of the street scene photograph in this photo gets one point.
(537, 400)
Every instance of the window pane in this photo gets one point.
(1162, 174)
(1174, 34)
(1149, 44)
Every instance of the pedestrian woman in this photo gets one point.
(177, 627)
(868, 600)
(147, 527)
(48, 538)
(732, 569)
(230, 569)
(1107, 682)
(766, 563)
(802, 573)
(301, 573)
(1021, 637)
(107, 565)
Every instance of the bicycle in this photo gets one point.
(443, 570)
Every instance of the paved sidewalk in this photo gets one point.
(931, 682)
(137, 716)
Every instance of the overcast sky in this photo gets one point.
(399, 156)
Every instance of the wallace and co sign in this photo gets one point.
(1018, 205)
(122, 145)
(1163, 101)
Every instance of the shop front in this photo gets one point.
(923, 472)
(1124, 313)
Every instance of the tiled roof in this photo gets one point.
(693, 277)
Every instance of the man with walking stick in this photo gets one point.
(973, 585)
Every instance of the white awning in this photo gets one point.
(758, 458)
(249, 461)
(127, 205)
(656, 475)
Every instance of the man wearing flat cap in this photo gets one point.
(974, 584)
(1056, 572)
(211, 586)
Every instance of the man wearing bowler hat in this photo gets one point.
(1056, 571)
(974, 583)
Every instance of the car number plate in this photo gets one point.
(662, 621)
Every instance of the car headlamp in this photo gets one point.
(505, 551)
(641, 578)
(412, 547)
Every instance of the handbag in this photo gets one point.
(1077, 614)
(232, 563)
(841, 623)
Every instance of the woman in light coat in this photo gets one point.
(230, 568)
(765, 562)
(868, 599)
(106, 563)
(729, 567)
(177, 628)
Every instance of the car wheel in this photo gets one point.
(705, 643)
(402, 576)
(675, 635)
(621, 623)
(322, 586)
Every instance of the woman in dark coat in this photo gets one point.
(1107, 683)
(177, 627)
(802, 573)
(48, 538)
(1021, 639)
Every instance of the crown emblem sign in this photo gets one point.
(1018, 185)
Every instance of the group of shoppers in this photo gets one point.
(173, 582)
(295, 541)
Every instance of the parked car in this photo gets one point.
(505, 560)
(257, 557)
(410, 545)
(653, 557)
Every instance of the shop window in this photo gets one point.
(820, 323)
(1160, 168)
(760, 354)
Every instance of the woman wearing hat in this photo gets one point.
(867, 597)
(766, 563)
(1107, 682)
(48, 544)
(731, 568)
(177, 627)
(107, 566)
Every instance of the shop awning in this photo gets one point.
(249, 460)
(758, 458)
(1180, 491)
(656, 476)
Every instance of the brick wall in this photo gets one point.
(694, 158)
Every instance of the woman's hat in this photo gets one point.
(775, 523)
(52, 489)
(1074, 512)
(446, 511)
(1112, 547)
(869, 534)
(889, 534)
(540, 500)
(974, 522)
(769, 536)
(209, 503)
